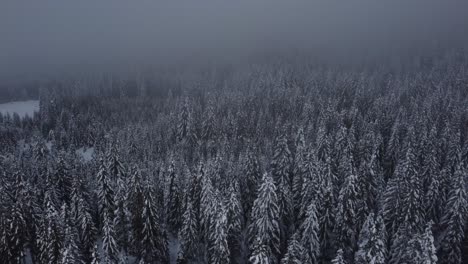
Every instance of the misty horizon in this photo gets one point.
(49, 38)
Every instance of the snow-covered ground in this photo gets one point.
(86, 153)
(23, 108)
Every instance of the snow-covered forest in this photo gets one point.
(282, 163)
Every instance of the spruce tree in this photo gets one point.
(219, 249)
(188, 236)
(154, 243)
(295, 252)
(309, 236)
(339, 258)
(109, 244)
(235, 219)
(173, 198)
(264, 229)
(346, 214)
(454, 220)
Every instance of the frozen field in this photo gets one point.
(23, 108)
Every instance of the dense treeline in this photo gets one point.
(271, 163)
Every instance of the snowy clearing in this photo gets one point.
(22, 108)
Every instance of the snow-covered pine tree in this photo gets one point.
(339, 257)
(411, 205)
(309, 231)
(299, 170)
(14, 237)
(51, 241)
(432, 203)
(252, 178)
(346, 213)
(154, 244)
(371, 244)
(454, 220)
(218, 235)
(105, 193)
(188, 236)
(235, 218)
(174, 204)
(63, 180)
(207, 206)
(327, 222)
(86, 229)
(430, 254)
(70, 251)
(312, 185)
(264, 230)
(295, 252)
(136, 203)
(281, 173)
(122, 214)
(95, 255)
(110, 249)
(183, 121)
(260, 256)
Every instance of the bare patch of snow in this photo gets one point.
(174, 247)
(86, 153)
(22, 108)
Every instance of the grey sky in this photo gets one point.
(53, 35)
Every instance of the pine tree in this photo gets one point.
(235, 219)
(196, 192)
(109, 244)
(264, 229)
(312, 186)
(94, 255)
(260, 255)
(136, 203)
(154, 243)
(281, 172)
(174, 202)
(299, 170)
(454, 220)
(433, 206)
(411, 206)
(115, 168)
(339, 258)
(122, 215)
(346, 214)
(15, 235)
(63, 181)
(70, 251)
(207, 206)
(252, 181)
(327, 223)
(86, 230)
(309, 236)
(184, 120)
(371, 242)
(430, 256)
(219, 249)
(105, 193)
(188, 236)
(295, 252)
(400, 243)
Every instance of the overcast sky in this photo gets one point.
(54, 35)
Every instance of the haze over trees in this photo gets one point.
(264, 132)
(268, 163)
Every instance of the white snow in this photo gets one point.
(22, 108)
(86, 153)
(174, 247)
